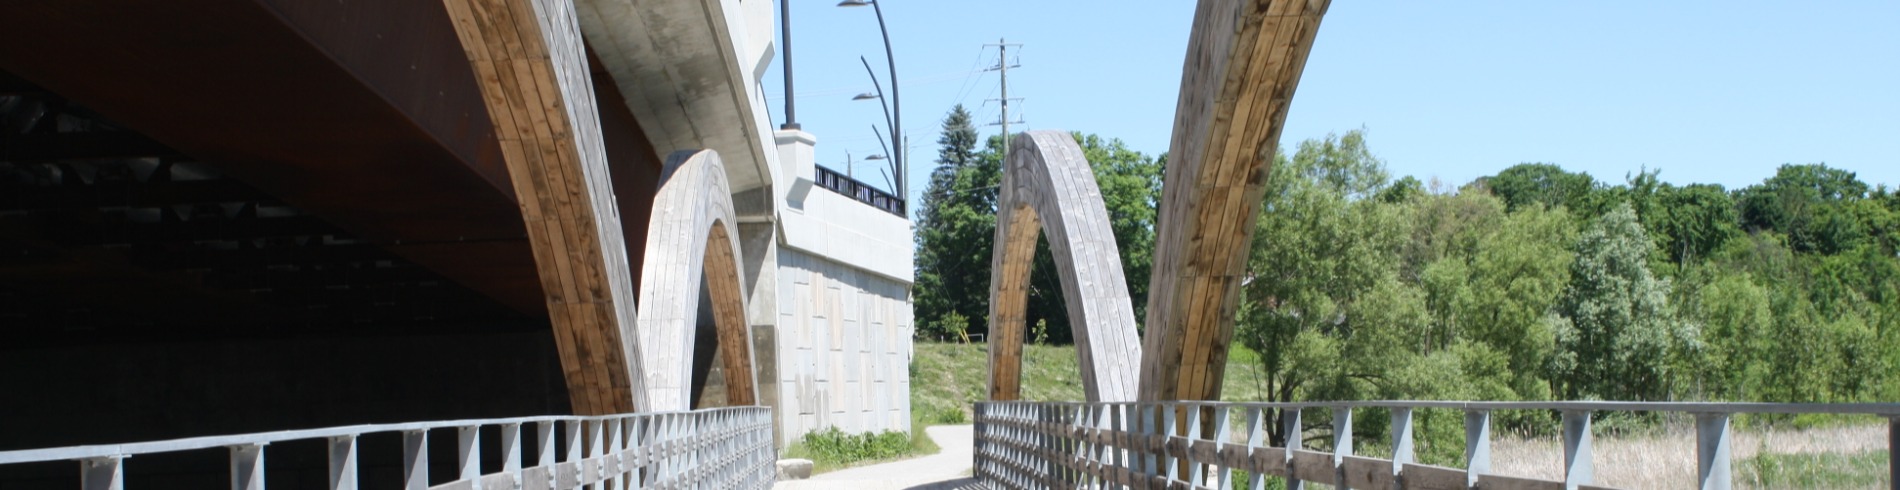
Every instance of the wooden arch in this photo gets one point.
(531, 66)
(1049, 187)
(692, 236)
(1244, 60)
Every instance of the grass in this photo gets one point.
(1824, 470)
(948, 379)
(1836, 456)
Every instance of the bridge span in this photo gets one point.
(261, 216)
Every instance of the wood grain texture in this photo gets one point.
(692, 236)
(532, 69)
(1243, 62)
(1049, 187)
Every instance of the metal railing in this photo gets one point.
(1167, 445)
(712, 448)
(864, 193)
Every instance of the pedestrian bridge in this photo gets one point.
(339, 193)
(1019, 445)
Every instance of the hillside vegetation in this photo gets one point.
(947, 378)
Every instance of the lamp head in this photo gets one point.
(874, 157)
(865, 96)
(853, 3)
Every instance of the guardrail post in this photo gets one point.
(1224, 475)
(1342, 443)
(415, 460)
(1290, 421)
(511, 450)
(1893, 453)
(1712, 450)
(1118, 425)
(247, 467)
(102, 473)
(468, 455)
(1150, 463)
(1401, 444)
(616, 444)
(596, 445)
(571, 444)
(634, 440)
(1169, 430)
(1578, 467)
(544, 443)
(1256, 439)
(343, 463)
(1477, 446)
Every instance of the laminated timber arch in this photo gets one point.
(1244, 60)
(1049, 187)
(692, 237)
(531, 66)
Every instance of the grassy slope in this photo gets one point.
(951, 377)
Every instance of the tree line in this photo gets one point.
(1535, 283)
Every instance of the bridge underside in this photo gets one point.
(221, 217)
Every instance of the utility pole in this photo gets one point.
(1002, 69)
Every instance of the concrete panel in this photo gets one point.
(860, 342)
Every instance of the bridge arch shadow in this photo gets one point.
(1048, 187)
(692, 246)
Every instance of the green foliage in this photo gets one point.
(953, 377)
(1809, 204)
(1619, 336)
(942, 416)
(1814, 470)
(1542, 184)
(832, 448)
(955, 326)
(1131, 190)
(956, 227)
(1695, 222)
(1040, 332)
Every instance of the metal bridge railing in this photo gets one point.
(864, 193)
(712, 448)
(1166, 445)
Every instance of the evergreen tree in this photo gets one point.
(956, 227)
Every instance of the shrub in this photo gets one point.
(834, 448)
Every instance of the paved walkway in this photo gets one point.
(948, 469)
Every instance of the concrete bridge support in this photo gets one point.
(1049, 187)
(1244, 60)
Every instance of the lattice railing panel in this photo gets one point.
(1023, 445)
(714, 448)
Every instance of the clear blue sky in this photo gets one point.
(1705, 91)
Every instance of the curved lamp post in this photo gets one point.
(895, 113)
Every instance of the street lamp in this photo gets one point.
(785, 32)
(897, 112)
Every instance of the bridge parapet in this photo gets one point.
(1205, 444)
(715, 448)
